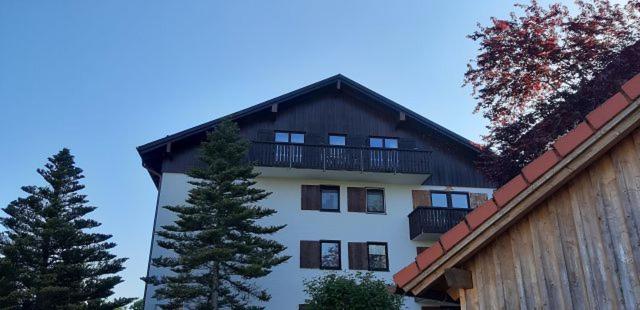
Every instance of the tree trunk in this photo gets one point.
(213, 294)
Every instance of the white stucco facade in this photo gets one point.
(285, 283)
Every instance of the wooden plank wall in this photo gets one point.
(580, 249)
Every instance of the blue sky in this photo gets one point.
(102, 77)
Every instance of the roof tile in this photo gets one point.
(605, 112)
(540, 165)
(428, 256)
(567, 143)
(404, 276)
(480, 214)
(450, 238)
(632, 87)
(510, 190)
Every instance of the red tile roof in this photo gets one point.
(529, 174)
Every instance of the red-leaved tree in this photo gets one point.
(530, 68)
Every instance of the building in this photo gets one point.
(361, 182)
(563, 234)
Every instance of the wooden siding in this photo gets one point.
(343, 112)
(579, 249)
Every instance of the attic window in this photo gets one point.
(289, 137)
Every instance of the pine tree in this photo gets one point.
(48, 258)
(218, 243)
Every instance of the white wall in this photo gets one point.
(285, 283)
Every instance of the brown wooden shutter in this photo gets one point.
(311, 199)
(358, 259)
(421, 198)
(356, 199)
(476, 199)
(310, 254)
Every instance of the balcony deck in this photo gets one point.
(346, 158)
(429, 222)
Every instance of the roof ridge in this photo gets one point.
(562, 147)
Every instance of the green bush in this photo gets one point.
(350, 291)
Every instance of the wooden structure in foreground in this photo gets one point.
(563, 234)
(580, 248)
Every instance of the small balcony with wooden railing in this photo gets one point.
(427, 223)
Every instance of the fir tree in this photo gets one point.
(218, 242)
(48, 258)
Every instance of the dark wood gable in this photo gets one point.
(356, 114)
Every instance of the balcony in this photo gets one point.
(398, 166)
(427, 223)
(331, 157)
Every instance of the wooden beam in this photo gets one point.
(402, 116)
(600, 142)
(458, 278)
(274, 108)
(454, 293)
(338, 85)
(168, 148)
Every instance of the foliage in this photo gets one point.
(48, 259)
(216, 238)
(350, 291)
(137, 305)
(530, 64)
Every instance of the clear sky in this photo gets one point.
(102, 77)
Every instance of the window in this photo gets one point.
(377, 256)
(387, 143)
(330, 254)
(450, 200)
(289, 137)
(330, 196)
(375, 200)
(297, 138)
(376, 142)
(391, 143)
(439, 200)
(460, 200)
(337, 140)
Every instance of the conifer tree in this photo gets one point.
(217, 238)
(49, 258)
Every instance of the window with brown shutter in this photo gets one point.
(310, 254)
(356, 199)
(358, 259)
(311, 197)
(372, 256)
(421, 198)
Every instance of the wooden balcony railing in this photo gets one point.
(434, 220)
(331, 157)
